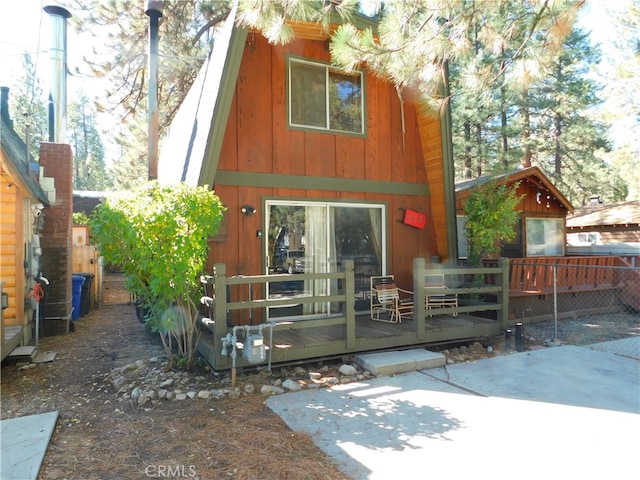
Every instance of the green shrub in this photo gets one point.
(159, 234)
(491, 218)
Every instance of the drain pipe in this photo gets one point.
(153, 9)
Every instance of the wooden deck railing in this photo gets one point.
(222, 306)
(482, 310)
(479, 289)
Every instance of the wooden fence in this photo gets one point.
(593, 283)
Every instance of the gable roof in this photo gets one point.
(464, 188)
(198, 128)
(608, 214)
(14, 150)
(190, 152)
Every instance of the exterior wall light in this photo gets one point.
(248, 210)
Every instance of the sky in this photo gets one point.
(25, 27)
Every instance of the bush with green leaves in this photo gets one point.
(80, 218)
(160, 234)
(492, 214)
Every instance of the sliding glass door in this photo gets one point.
(316, 237)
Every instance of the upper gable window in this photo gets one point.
(323, 98)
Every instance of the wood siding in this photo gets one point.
(12, 238)
(258, 140)
(539, 200)
(529, 206)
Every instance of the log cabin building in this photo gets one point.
(21, 221)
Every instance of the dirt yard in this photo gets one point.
(100, 435)
(103, 434)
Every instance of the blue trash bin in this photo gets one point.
(76, 288)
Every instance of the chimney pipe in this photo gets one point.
(58, 90)
(153, 9)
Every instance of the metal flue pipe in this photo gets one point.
(58, 56)
(153, 9)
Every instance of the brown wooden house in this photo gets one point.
(541, 230)
(328, 179)
(308, 158)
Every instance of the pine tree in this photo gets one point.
(568, 138)
(414, 41)
(28, 110)
(89, 169)
(186, 32)
(539, 115)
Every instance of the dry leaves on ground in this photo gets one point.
(102, 436)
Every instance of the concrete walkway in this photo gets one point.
(24, 444)
(564, 412)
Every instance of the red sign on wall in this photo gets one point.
(415, 219)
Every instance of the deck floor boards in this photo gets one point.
(370, 329)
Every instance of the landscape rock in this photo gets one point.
(347, 370)
(291, 385)
(118, 382)
(249, 388)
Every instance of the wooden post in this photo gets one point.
(220, 326)
(419, 308)
(503, 314)
(350, 303)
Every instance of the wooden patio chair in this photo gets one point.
(389, 303)
(435, 298)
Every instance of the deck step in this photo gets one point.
(23, 353)
(402, 361)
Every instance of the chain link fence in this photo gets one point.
(578, 304)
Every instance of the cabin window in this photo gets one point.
(323, 98)
(545, 236)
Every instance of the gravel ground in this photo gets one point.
(582, 331)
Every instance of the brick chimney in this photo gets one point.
(57, 248)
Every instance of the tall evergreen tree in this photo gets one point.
(539, 115)
(568, 138)
(89, 169)
(415, 40)
(28, 110)
(186, 32)
(620, 70)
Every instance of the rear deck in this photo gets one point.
(292, 342)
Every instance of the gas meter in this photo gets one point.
(254, 350)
